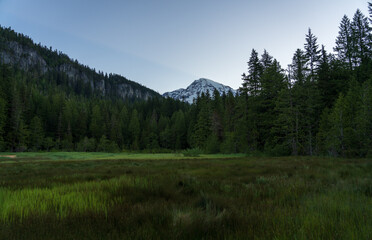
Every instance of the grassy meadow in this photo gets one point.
(169, 196)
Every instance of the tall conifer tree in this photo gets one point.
(344, 43)
(312, 53)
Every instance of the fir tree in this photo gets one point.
(3, 120)
(266, 60)
(96, 123)
(36, 138)
(298, 67)
(251, 82)
(312, 53)
(344, 43)
(361, 36)
(135, 130)
(286, 126)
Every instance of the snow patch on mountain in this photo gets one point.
(196, 88)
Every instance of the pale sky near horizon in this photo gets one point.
(166, 44)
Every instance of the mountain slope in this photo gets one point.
(21, 52)
(199, 86)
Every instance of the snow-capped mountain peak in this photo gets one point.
(196, 88)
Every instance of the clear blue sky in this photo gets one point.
(166, 44)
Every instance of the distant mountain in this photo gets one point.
(21, 52)
(199, 86)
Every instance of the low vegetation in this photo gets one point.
(170, 196)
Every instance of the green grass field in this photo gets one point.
(169, 196)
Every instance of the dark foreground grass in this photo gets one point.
(215, 198)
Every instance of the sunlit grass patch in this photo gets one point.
(80, 156)
(66, 200)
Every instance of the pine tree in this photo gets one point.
(152, 137)
(96, 123)
(81, 123)
(217, 115)
(344, 139)
(245, 131)
(229, 111)
(361, 36)
(115, 130)
(3, 120)
(298, 67)
(344, 43)
(364, 120)
(326, 85)
(124, 123)
(70, 121)
(135, 130)
(179, 129)
(36, 138)
(309, 100)
(202, 128)
(312, 53)
(266, 60)
(305, 103)
(336, 142)
(286, 126)
(323, 136)
(273, 81)
(251, 82)
(166, 138)
(104, 144)
(86, 145)
(22, 135)
(18, 129)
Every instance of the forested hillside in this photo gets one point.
(20, 52)
(50, 102)
(320, 105)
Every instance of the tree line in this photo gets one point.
(320, 105)
(37, 114)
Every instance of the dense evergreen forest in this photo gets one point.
(320, 105)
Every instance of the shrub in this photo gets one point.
(194, 152)
(106, 145)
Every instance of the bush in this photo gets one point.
(156, 150)
(194, 152)
(106, 145)
(86, 145)
(278, 150)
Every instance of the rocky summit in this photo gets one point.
(198, 87)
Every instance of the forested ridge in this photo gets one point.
(320, 105)
(57, 68)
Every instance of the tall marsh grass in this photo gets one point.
(66, 200)
(185, 198)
